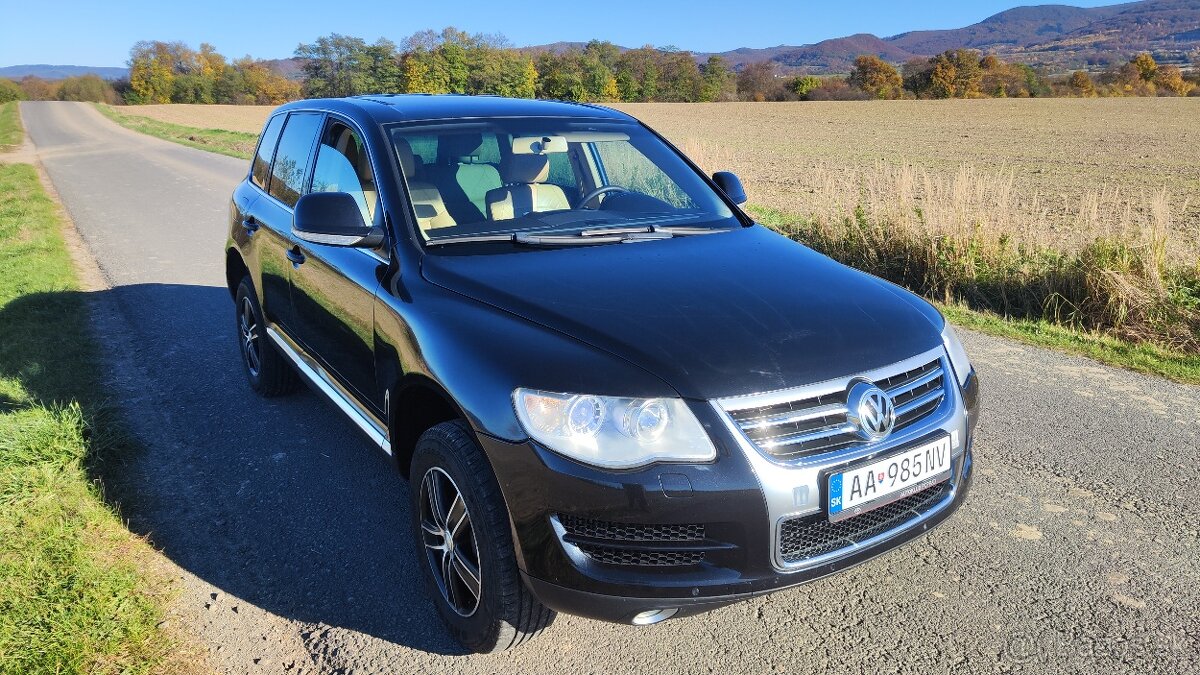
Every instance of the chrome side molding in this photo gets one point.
(314, 373)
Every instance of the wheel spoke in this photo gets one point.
(433, 493)
(448, 576)
(457, 515)
(467, 572)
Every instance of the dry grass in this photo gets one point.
(1054, 171)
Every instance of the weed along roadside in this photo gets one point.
(78, 592)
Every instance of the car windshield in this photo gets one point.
(552, 176)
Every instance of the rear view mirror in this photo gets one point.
(731, 185)
(334, 219)
(538, 145)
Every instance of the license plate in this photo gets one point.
(870, 486)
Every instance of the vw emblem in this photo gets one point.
(871, 410)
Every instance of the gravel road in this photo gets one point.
(1076, 552)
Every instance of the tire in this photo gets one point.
(503, 613)
(268, 371)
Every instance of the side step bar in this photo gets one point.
(315, 374)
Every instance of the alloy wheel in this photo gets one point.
(450, 546)
(248, 327)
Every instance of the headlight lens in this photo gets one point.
(613, 432)
(958, 355)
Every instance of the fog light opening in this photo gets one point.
(653, 616)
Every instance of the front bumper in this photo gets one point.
(728, 497)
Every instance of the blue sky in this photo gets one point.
(96, 33)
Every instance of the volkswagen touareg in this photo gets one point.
(613, 394)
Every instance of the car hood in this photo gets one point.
(718, 315)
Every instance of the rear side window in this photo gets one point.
(261, 169)
(291, 160)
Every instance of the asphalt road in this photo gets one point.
(1076, 552)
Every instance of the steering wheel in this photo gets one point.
(604, 189)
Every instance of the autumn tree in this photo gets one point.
(876, 77)
(1170, 81)
(758, 82)
(334, 66)
(804, 85)
(153, 67)
(719, 83)
(1080, 84)
(1146, 66)
(37, 89)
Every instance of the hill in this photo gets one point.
(50, 72)
(1059, 37)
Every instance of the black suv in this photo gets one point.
(613, 394)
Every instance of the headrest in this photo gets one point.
(459, 145)
(525, 169)
(408, 162)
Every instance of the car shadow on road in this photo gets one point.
(279, 502)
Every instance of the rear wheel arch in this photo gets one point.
(235, 271)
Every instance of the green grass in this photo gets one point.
(1140, 357)
(11, 132)
(77, 594)
(1044, 298)
(232, 143)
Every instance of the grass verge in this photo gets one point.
(1114, 302)
(11, 132)
(232, 143)
(78, 593)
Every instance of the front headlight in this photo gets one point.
(612, 432)
(958, 355)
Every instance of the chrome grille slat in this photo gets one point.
(794, 417)
(919, 381)
(825, 432)
(815, 424)
(921, 400)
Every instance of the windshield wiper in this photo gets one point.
(685, 230)
(609, 231)
(470, 239)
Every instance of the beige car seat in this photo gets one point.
(426, 199)
(525, 190)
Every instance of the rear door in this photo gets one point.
(272, 214)
(333, 290)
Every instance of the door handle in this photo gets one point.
(250, 224)
(296, 256)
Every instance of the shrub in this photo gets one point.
(10, 91)
(87, 88)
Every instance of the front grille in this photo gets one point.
(634, 544)
(808, 537)
(818, 424)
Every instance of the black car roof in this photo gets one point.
(384, 108)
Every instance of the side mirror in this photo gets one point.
(333, 219)
(731, 185)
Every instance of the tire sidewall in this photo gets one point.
(480, 630)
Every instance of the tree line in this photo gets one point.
(453, 61)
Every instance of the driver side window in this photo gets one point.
(625, 166)
(343, 166)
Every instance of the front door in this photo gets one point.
(333, 290)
